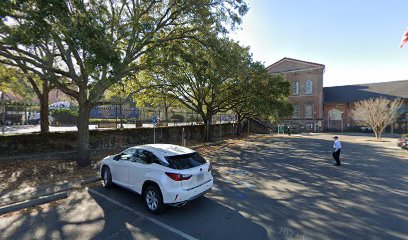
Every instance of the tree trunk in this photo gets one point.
(376, 133)
(208, 127)
(239, 125)
(166, 113)
(83, 134)
(3, 113)
(379, 132)
(44, 111)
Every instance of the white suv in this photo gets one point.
(163, 174)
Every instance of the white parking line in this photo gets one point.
(157, 222)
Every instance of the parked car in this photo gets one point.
(403, 141)
(163, 174)
(35, 119)
(366, 129)
(11, 119)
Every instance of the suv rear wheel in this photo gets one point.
(153, 199)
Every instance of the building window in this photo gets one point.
(309, 87)
(309, 110)
(295, 88)
(295, 111)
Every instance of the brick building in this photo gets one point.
(317, 108)
(339, 102)
(306, 79)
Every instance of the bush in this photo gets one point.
(64, 116)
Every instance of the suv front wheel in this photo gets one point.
(106, 177)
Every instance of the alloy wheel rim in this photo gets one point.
(152, 200)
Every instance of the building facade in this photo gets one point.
(306, 97)
(329, 108)
(339, 103)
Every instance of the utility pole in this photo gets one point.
(154, 120)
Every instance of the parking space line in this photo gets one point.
(157, 222)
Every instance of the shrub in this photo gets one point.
(64, 116)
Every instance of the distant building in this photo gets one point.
(317, 108)
(339, 102)
(306, 97)
(57, 95)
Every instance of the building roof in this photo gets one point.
(353, 93)
(291, 64)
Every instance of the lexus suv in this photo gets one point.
(163, 174)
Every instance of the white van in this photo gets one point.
(58, 105)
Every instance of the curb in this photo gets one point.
(41, 199)
(90, 180)
(33, 202)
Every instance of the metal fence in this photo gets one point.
(14, 113)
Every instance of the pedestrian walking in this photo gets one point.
(336, 150)
(288, 130)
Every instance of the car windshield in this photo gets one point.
(185, 161)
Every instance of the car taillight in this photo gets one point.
(178, 177)
(210, 167)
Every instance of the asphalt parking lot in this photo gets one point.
(268, 188)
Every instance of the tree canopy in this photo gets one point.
(83, 47)
(218, 75)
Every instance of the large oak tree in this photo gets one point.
(83, 47)
(202, 75)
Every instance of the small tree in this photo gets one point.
(376, 113)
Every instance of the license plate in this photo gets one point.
(200, 176)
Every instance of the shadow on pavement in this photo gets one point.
(290, 186)
(274, 188)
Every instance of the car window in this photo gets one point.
(145, 157)
(128, 155)
(185, 161)
(152, 158)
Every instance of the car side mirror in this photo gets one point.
(116, 157)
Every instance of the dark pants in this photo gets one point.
(336, 156)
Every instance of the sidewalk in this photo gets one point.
(31, 196)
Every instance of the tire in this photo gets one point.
(107, 177)
(153, 199)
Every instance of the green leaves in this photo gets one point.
(85, 47)
(13, 81)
